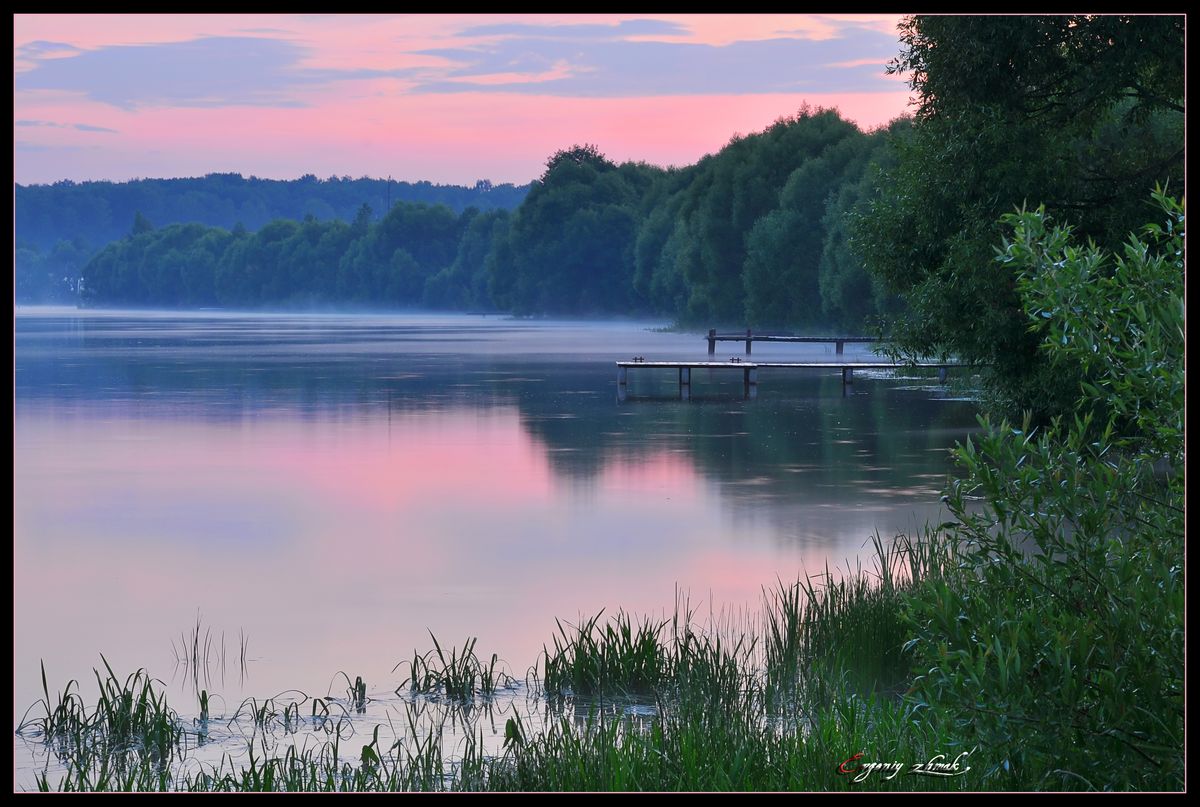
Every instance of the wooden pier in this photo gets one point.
(750, 337)
(750, 371)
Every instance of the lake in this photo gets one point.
(320, 492)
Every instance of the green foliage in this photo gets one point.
(850, 295)
(702, 746)
(846, 633)
(141, 224)
(49, 276)
(458, 674)
(1058, 645)
(88, 214)
(1118, 317)
(1056, 67)
(130, 719)
(620, 657)
(783, 248)
(571, 242)
(101, 212)
(741, 237)
(464, 284)
(172, 265)
(391, 264)
(743, 233)
(1083, 112)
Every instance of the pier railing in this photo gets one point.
(750, 337)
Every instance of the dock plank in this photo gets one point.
(689, 364)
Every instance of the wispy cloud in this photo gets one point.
(586, 60)
(205, 72)
(211, 71)
(25, 145)
(439, 97)
(41, 49)
(594, 31)
(83, 127)
(633, 68)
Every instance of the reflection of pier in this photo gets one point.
(750, 337)
(750, 371)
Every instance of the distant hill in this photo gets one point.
(60, 227)
(102, 212)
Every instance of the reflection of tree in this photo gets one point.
(799, 442)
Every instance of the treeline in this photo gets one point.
(1081, 113)
(60, 227)
(755, 233)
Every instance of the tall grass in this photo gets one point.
(848, 630)
(697, 747)
(624, 656)
(459, 674)
(128, 737)
(201, 653)
(774, 701)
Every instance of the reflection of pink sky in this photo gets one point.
(337, 544)
(375, 126)
(660, 472)
(497, 463)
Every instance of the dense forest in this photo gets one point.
(1083, 114)
(60, 227)
(754, 233)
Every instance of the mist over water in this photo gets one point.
(334, 487)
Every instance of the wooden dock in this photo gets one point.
(750, 337)
(750, 371)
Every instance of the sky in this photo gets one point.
(446, 98)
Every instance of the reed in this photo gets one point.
(459, 674)
(624, 656)
(768, 701)
(127, 738)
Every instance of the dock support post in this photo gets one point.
(749, 336)
(750, 379)
(847, 379)
(840, 347)
(712, 341)
(942, 375)
(622, 376)
(685, 377)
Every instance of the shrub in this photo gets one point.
(1058, 645)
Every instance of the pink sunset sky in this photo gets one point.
(445, 98)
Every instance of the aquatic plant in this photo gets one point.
(461, 674)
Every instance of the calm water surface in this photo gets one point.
(335, 487)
